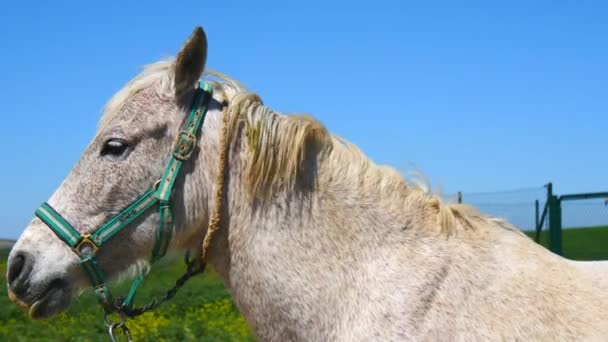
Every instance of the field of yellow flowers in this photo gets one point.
(201, 311)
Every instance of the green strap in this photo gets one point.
(92, 269)
(128, 302)
(182, 150)
(186, 141)
(120, 221)
(88, 262)
(97, 278)
(169, 176)
(164, 232)
(104, 297)
(58, 224)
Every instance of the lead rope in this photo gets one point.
(214, 223)
(216, 217)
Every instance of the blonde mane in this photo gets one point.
(283, 149)
(281, 145)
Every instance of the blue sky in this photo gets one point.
(479, 96)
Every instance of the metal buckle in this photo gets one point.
(86, 241)
(184, 145)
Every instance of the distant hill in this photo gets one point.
(5, 243)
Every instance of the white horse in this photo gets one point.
(314, 241)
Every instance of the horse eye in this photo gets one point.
(114, 147)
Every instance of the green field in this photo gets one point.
(582, 243)
(201, 311)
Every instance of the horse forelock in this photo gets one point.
(156, 77)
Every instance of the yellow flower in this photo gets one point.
(147, 325)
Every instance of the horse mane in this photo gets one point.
(283, 147)
(280, 146)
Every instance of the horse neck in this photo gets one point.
(290, 262)
(307, 265)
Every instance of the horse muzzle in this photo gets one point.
(41, 299)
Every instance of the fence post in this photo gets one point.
(459, 197)
(537, 214)
(555, 225)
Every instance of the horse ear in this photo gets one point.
(190, 62)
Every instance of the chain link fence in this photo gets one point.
(585, 213)
(517, 206)
(523, 208)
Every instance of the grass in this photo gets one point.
(582, 243)
(202, 310)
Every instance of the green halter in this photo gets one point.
(86, 245)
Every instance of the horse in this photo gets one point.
(314, 241)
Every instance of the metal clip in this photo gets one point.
(118, 324)
(124, 328)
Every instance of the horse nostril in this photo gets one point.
(19, 269)
(15, 267)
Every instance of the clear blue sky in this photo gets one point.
(480, 97)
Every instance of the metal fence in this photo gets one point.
(516, 206)
(590, 212)
(539, 208)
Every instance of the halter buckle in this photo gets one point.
(84, 242)
(183, 146)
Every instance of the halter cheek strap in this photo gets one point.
(87, 245)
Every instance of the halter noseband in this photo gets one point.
(87, 245)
